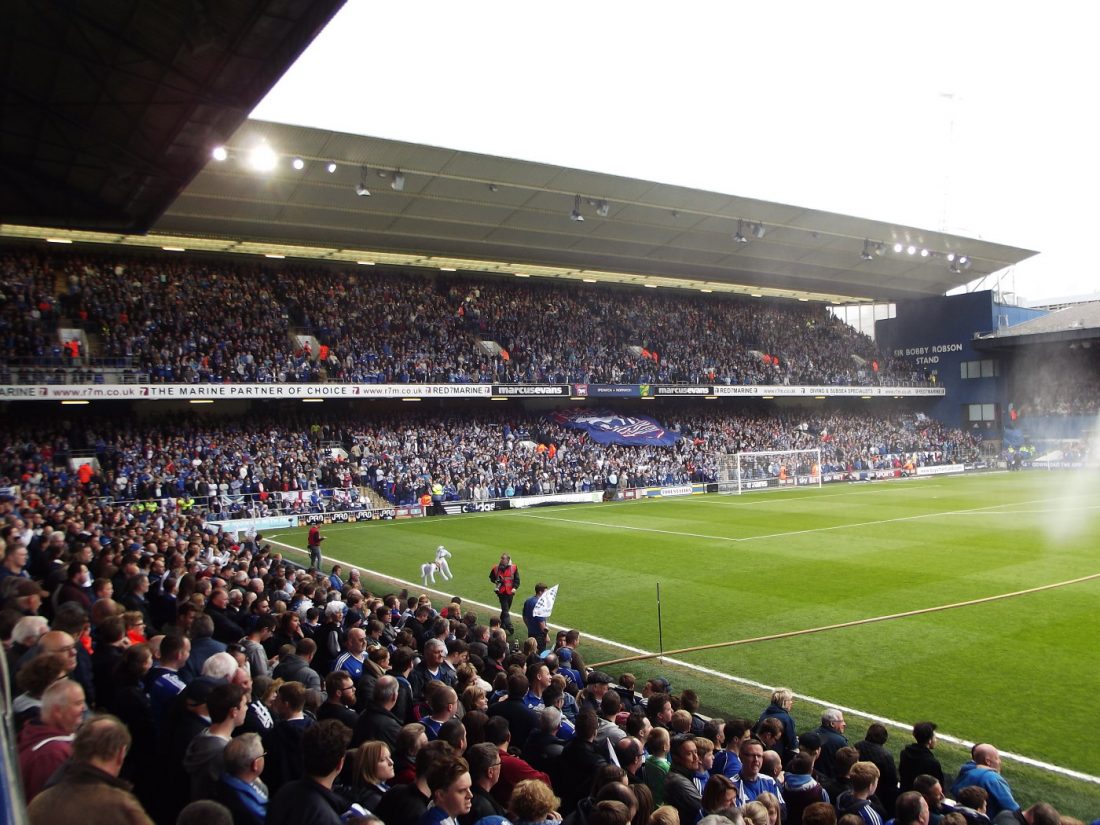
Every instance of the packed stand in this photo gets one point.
(185, 320)
(261, 466)
(174, 673)
(1057, 381)
(28, 308)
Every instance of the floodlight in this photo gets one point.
(739, 236)
(262, 158)
(576, 215)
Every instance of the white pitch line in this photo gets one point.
(1024, 760)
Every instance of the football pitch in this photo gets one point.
(1011, 558)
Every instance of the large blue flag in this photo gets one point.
(605, 427)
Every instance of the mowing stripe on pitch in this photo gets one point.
(810, 530)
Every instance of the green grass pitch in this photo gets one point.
(1020, 671)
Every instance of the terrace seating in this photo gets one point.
(185, 320)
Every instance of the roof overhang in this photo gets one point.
(462, 210)
(109, 110)
(1072, 324)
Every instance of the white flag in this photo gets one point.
(545, 605)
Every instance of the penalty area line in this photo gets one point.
(639, 653)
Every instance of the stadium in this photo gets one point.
(225, 339)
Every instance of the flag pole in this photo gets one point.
(660, 628)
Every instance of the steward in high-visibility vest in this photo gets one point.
(506, 578)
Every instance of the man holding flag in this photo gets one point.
(536, 610)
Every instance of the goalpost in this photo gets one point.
(738, 472)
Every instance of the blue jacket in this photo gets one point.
(1000, 796)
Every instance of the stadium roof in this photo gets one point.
(469, 211)
(109, 109)
(110, 113)
(1079, 322)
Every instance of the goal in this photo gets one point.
(739, 472)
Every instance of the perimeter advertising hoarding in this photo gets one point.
(374, 514)
(367, 392)
(806, 390)
(531, 390)
(454, 508)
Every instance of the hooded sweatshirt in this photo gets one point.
(800, 790)
(42, 750)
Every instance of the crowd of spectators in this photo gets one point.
(166, 671)
(271, 464)
(1057, 381)
(28, 307)
(186, 320)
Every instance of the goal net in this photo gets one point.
(739, 472)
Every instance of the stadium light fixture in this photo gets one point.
(331, 167)
(361, 188)
(739, 236)
(898, 247)
(758, 230)
(576, 215)
(262, 158)
(398, 182)
(602, 208)
(220, 153)
(298, 164)
(912, 250)
(868, 251)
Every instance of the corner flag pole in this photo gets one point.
(660, 629)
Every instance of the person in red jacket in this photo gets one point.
(47, 744)
(314, 543)
(505, 576)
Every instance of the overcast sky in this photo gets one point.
(978, 118)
